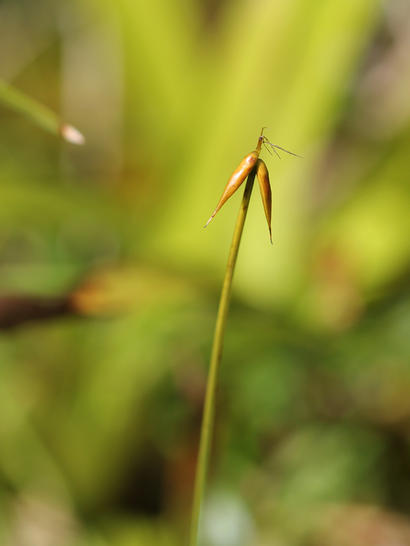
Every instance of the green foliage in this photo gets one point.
(100, 413)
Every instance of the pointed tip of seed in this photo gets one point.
(270, 236)
(71, 134)
(210, 218)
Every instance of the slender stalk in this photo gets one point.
(216, 355)
(38, 113)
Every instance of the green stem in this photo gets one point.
(209, 407)
(38, 113)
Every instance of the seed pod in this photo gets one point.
(243, 170)
(266, 194)
(236, 179)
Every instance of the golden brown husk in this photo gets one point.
(236, 179)
(266, 193)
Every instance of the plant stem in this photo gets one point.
(38, 113)
(216, 355)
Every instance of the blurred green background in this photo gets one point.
(100, 404)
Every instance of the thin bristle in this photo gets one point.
(273, 148)
(287, 151)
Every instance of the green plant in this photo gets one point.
(249, 167)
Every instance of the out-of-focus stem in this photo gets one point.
(209, 406)
(38, 113)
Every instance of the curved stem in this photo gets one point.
(209, 406)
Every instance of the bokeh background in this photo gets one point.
(109, 283)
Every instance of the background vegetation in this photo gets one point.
(102, 248)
